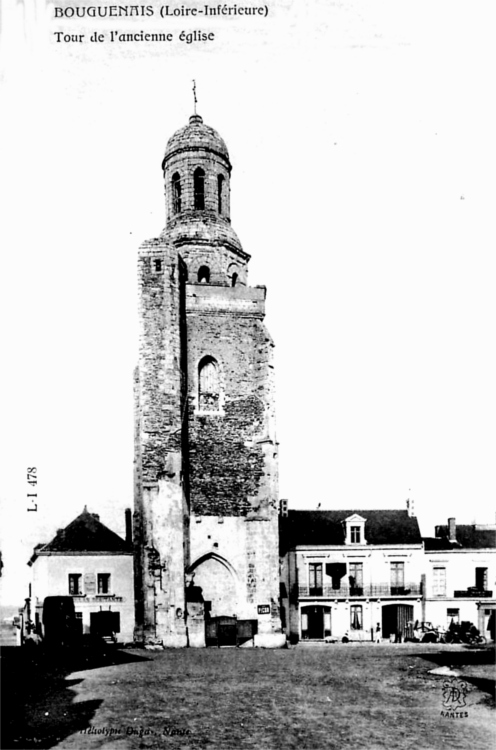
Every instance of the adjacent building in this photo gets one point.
(93, 565)
(352, 573)
(355, 574)
(460, 575)
(364, 574)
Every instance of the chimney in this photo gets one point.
(410, 508)
(283, 508)
(129, 527)
(451, 529)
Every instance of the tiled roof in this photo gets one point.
(322, 527)
(85, 534)
(467, 537)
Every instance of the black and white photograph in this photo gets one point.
(248, 488)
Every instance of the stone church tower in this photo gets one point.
(206, 494)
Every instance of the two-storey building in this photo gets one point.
(350, 573)
(460, 575)
(93, 565)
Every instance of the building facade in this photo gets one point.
(93, 565)
(354, 574)
(206, 516)
(460, 575)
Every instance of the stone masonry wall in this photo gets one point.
(222, 264)
(161, 511)
(204, 238)
(249, 549)
(159, 362)
(233, 452)
(228, 461)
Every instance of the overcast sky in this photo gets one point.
(362, 141)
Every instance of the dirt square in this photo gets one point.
(306, 697)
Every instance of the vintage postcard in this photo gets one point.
(247, 494)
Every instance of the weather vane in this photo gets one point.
(194, 95)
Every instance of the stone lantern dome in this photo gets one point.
(197, 173)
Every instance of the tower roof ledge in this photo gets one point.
(202, 228)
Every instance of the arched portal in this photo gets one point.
(218, 581)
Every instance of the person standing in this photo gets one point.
(378, 633)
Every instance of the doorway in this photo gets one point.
(229, 631)
(395, 618)
(104, 623)
(315, 622)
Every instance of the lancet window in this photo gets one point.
(208, 384)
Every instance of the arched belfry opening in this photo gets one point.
(204, 275)
(233, 274)
(176, 192)
(199, 188)
(220, 192)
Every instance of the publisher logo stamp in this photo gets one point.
(454, 698)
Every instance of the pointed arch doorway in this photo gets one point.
(219, 583)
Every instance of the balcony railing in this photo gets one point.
(369, 590)
(473, 593)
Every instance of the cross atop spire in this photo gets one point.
(194, 96)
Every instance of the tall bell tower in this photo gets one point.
(206, 492)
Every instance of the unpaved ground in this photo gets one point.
(311, 698)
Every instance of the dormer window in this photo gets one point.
(355, 534)
(354, 528)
